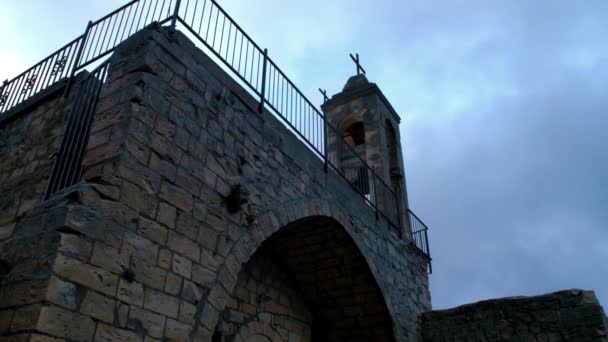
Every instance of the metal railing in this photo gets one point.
(99, 39)
(67, 163)
(229, 43)
(420, 235)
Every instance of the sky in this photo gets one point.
(504, 119)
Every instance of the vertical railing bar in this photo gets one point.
(148, 13)
(104, 31)
(217, 18)
(122, 36)
(228, 42)
(241, 52)
(122, 17)
(375, 193)
(261, 107)
(209, 24)
(133, 21)
(24, 89)
(98, 80)
(115, 18)
(186, 11)
(101, 28)
(175, 14)
(222, 35)
(46, 70)
(77, 60)
(202, 16)
(65, 141)
(141, 14)
(72, 132)
(193, 13)
(154, 11)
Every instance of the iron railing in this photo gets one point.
(230, 44)
(420, 235)
(67, 163)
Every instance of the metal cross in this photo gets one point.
(325, 98)
(355, 59)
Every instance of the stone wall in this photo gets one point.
(150, 245)
(266, 302)
(572, 315)
(27, 139)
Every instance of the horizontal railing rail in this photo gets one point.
(211, 25)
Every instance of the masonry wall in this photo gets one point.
(27, 139)
(145, 247)
(266, 302)
(572, 315)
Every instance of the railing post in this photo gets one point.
(325, 139)
(375, 190)
(398, 205)
(77, 59)
(175, 14)
(263, 92)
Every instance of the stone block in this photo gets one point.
(182, 266)
(62, 293)
(186, 312)
(166, 215)
(75, 246)
(148, 273)
(131, 292)
(59, 322)
(97, 306)
(153, 324)
(25, 318)
(90, 276)
(109, 333)
(162, 303)
(184, 246)
(152, 230)
(164, 258)
(176, 331)
(138, 246)
(177, 197)
(109, 258)
(173, 284)
(138, 199)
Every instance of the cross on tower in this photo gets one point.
(325, 98)
(355, 59)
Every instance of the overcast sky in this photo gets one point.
(504, 119)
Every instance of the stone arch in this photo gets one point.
(269, 225)
(352, 129)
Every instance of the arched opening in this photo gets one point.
(351, 165)
(393, 157)
(307, 282)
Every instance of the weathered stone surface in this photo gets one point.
(90, 276)
(110, 334)
(161, 303)
(98, 307)
(152, 323)
(561, 316)
(63, 323)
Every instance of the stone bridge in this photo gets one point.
(196, 218)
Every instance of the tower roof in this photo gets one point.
(358, 86)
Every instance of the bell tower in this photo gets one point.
(366, 121)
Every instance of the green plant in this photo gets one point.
(235, 199)
(127, 274)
